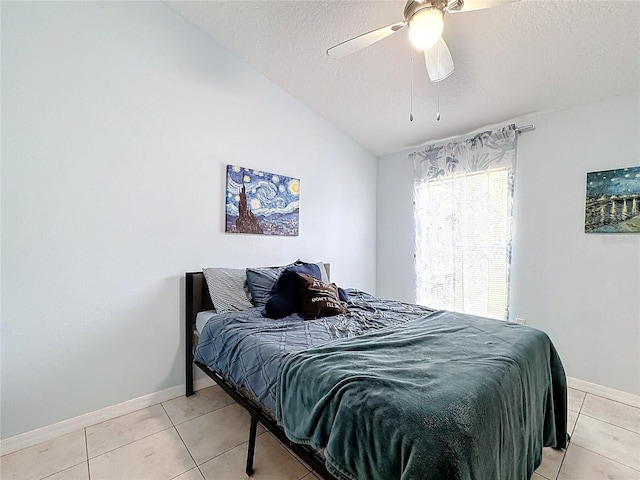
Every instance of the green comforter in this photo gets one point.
(445, 397)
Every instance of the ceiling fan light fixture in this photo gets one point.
(425, 27)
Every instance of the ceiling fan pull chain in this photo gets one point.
(411, 94)
(438, 94)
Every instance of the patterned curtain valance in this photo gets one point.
(484, 151)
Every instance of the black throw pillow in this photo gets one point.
(285, 300)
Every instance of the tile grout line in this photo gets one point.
(173, 425)
(119, 416)
(167, 414)
(308, 467)
(189, 452)
(86, 446)
(229, 449)
(588, 449)
(609, 423)
(607, 458)
(129, 443)
(619, 396)
(611, 400)
(63, 470)
(197, 416)
(221, 453)
(133, 441)
(567, 449)
(564, 456)
(180, 437)
(599, 419)
(582, 402)
(86, 451)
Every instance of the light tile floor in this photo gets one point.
(204, 437)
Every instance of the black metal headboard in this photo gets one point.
(197, 299)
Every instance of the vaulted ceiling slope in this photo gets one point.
(517, 59)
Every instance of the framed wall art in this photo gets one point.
(613, 201)
(261, 203)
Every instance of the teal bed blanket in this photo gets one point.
(444, 397)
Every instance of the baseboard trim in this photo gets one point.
(605, 392)
(28, 439)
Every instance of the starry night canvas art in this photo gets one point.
(261, 203)
(613, 201)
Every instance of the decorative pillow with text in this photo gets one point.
(319, 299)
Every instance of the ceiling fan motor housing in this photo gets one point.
(414, 6)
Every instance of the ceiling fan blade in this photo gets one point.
(470, 5)
(361, 41)
(439, 61)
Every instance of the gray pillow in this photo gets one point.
(228, 289)
(261, 282)
(323, 272)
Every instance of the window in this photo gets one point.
(463, 201)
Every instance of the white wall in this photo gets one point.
(118, 120)
(582, 289)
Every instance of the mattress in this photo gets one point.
(248, 349)
(202, 318)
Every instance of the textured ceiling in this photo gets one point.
(516, 59)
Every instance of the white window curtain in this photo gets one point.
(463, 198)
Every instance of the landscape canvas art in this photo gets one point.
(261, 203)
(613, 201)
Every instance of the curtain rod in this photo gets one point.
(519, 130)
(524, 129)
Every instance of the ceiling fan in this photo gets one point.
(425, 21)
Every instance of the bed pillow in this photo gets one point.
(312, 269)
(318, 299)
(324, 275)
(261, 282)
(228, 289)
(344, 296)
(285, 298)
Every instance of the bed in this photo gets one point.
(388, 389)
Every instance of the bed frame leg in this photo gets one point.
(189, 373)
(252, 443)
(190, 320)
